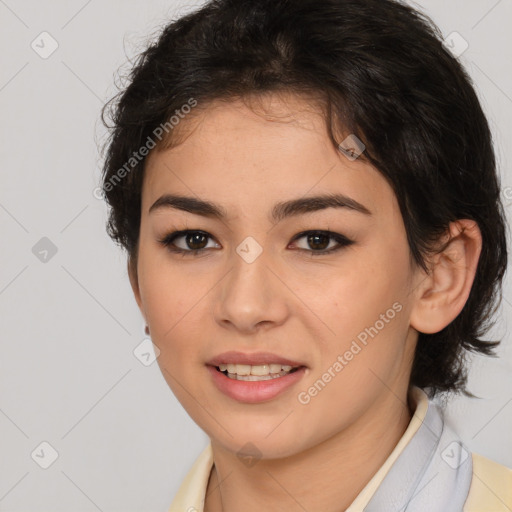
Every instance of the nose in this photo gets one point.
(252, 295)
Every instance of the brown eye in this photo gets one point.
(193, 242)
(318, 242)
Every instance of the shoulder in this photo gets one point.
(491, 486)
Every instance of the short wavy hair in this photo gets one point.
(377, 69)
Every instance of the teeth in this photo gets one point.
(256, 377)
(274, 368)
(260, 370)
(240, 369)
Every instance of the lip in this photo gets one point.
(254, 391)
(255, 358)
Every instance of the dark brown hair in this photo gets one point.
(380, 71)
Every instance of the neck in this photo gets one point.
(326, 477)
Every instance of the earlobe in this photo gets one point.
(443, 293)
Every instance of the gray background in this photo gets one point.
(69, 323)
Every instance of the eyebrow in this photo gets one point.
(279, 212)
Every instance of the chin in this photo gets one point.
(265, 442)
(247, 448)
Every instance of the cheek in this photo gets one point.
(354, 299)
(167, 291)
(172, 302)
(366, 310)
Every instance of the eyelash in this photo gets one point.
(168, 240)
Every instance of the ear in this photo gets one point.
(134, 282)
(441, 295)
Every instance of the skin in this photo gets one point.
(316, 456)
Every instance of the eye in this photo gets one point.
(321, 240)
(194, 242)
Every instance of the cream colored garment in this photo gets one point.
(491, 485)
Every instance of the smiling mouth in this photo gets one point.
(255, 373)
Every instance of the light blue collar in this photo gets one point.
(432, 474)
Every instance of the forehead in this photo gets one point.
(267, 151)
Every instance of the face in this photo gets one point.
(324, 288)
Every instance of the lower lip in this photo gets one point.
(254, 391)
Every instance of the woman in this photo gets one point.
(308, 197)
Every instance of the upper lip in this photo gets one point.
(254, 358)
